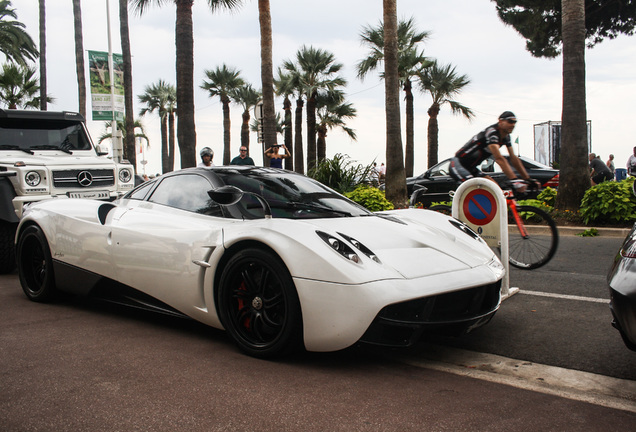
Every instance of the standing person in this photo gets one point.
(600, 171)
(610, 165)
(207, 154)
(485, 144)
(382, 172)
(275, 159)
(631, 164)
(242, 158)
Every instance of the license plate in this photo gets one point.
(90, 194)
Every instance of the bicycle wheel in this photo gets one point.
(539, 245)
(441, 208)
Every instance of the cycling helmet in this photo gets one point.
(206, 151)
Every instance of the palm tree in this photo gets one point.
(332, 111)
(574, 127)
(410, 61)
(15, 42)
(120, 127)
(129, 138)
(267, 75)
(161, 97)
(19, 87)
(184, 43)
(395, 175)
(443, 83)
(79, 56)
(42, 55)
(315, 70)
(289, 85)
(247, 97)
(221, 82)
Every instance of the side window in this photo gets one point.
(441, 170)
(141, 192)
(186, 192)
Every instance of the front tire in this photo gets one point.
(258, 304)
(35, 266)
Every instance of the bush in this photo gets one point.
(340, 174)
(371, 198)
(609, 202)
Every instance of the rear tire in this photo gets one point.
(35, 265)
(537, 249)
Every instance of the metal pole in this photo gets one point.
(116, 134)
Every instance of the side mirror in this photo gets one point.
(226, 195)
(229, 195)
(101, 151)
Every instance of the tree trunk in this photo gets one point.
(171, 147)
(395, 174)
(311, 132)
(574, 177)
(409, 151)
(42, 55)
(165, 152)
(79, 57)
(184, 43)
(130, 152)
(433, 134)
(267, 76)
(288, 133)
(245, 130)
(226, 129)
(321, 143)
(299, 158)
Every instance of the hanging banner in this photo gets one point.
(101, 97)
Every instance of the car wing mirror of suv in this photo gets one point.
(101, 151)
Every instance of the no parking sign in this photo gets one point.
(480, 208)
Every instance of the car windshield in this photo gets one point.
(289, 195)
(27, 135)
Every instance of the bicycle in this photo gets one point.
(528, 248)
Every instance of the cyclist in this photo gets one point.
(485, 144)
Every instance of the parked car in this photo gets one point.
(622, 286)
(439, 183)
(275, 258)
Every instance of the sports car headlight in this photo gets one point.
(339, 246)
(362, 248)
(125, 175)
(32, 178)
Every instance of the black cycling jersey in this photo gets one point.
(476, 150)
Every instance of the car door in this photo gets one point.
(161, 245)
(438, 183)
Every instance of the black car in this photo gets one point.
(622, 285)
(439, 183)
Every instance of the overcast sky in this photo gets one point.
(465, 33)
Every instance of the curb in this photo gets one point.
(573, 231)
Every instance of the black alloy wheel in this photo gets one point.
(35, 266)
(258, 304)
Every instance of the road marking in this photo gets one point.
(565, 296)
(567, 383)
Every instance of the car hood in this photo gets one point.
(408, 243)
(53, 158)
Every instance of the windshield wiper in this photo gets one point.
(51, 147)
(14, 147)
(310, 206)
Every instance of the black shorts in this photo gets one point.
(460, 173)
(602, 176)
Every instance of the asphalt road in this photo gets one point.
(78, 365)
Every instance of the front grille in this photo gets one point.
(402, 324)
(71, 178)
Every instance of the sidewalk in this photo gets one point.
(572, 231)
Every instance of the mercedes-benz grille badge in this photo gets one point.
(85, 178)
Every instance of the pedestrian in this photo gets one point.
(276, 159)
(600, 171)
(242, 158)
(207, 154)
(382, 172)
(610, 164)
(631, 164)
(486, 144)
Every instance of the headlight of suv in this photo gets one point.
(125, 175)
(32, 178)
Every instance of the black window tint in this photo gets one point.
(187, 192)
